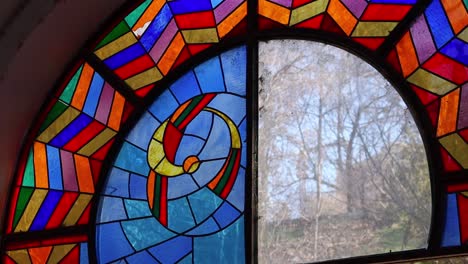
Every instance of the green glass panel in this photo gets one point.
(28, 177)
(118, 31)
(157, 195)
(133, 17)
(23, 199)
(56, 111)
(68, 92)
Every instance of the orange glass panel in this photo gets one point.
(407, 55)
(82, 88)
(40, 165)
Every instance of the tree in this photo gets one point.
(339, 149)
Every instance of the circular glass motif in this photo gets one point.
(195, 157)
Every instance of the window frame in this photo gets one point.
(439, 180)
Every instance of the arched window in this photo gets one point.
(147, 150)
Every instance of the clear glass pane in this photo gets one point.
(342, 167)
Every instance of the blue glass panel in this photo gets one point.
(226, 214)
(84, 259)
(137, 209)
(111, 209)
(215, 3)
(117, 183)
(188, 146)
(137, 187)
(187, 6)
(222, 247)
(207, 227)
(207, 171)
(143, 131)
(143, 233)
(111, 243)
(180, 186)
(235, 70)
(210, 76)
(218, 143)
(164, 106)
(232, 106)
(125, 56)
(438, 23)
(71, 130)
(236, 197)
(54, 168)
(204, 202)
(172, 250)
(451, 236)
(47, 208)
(94, 93)
(200, 125)
(132, 159)
(179, 216)
(142, 257)
(185, 87)
(186, 260)
(457, 50)
(156, 28)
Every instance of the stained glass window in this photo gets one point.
(146, 150)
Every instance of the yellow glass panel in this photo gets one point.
(457, 147)
(206, 35)
(274, 11)
(307, 11)
(431, 82)
(155, 153)
(464, 35)
(40, 165)
(448, 113)
(20, 256)
(159, 134)
(58, 125)
(342, 16)
(31, 210)
(373, 29)
(232, 20)
(235, 138)
(97, 142)
(407, 55)
(77, 210)
(59, 252)
(116, 46)
(166, 168)
(143, 79)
